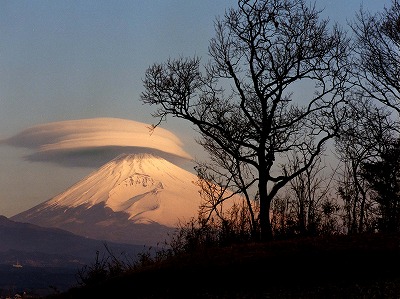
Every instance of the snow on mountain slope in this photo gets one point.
(137, 199)
(148, 188)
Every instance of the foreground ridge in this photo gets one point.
(358, 266)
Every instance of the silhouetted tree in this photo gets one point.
(358, 208)
(302, 209)
(383, 176)
(282, 218)
(368, 129)
(378, 60)
(214, 182)
(247, 104)
(310, 190)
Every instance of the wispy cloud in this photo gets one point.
(92, 142)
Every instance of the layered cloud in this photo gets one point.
(92, 142)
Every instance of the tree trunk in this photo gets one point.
(265, 205)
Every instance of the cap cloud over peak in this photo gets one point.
(93, 142)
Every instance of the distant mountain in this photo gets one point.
(34, 246)
(135, 199)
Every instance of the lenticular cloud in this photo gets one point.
(92, 142)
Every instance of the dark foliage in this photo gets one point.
(383, 175)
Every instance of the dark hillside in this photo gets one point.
(362, 266)
(39, 246)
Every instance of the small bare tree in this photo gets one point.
(220, 184)
(302, 208)
(310, 191)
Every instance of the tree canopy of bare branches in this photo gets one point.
(378, 54)
(245, 102)
(371, 129)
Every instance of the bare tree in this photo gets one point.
(358, 209)
(248, 104)
(220, 184)
(306, 206)
(378, 61)
(282, 217)
(310, 192)
(370, 127)
(363, 137)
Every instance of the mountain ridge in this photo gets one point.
(50, 258)
(39, 246)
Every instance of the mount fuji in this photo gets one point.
(133, 199)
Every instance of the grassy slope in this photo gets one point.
(363, 266)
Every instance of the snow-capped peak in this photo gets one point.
(147, 187)
(135, 199)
